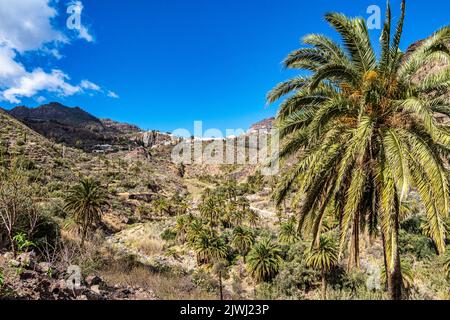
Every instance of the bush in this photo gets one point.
(204, 281)
(47, 231)
(418, 245)
(412, 225)
(24, 164)
(168, 234)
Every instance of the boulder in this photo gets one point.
(93, 280)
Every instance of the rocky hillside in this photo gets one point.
(74, 127)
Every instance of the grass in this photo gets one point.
(166, 286)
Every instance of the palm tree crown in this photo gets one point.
(85, 201)
(364, 133)
(264, 260)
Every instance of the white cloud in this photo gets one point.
(86, 84)
(36, 81)
(26, 26)
(40, 99)
(112, 94)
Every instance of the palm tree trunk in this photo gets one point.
(383, 239)
(395, 274)
(354, 246)
(324, 286)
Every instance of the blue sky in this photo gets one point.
(170, 62)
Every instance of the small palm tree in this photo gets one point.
(252, 217)
(323, 258)
(182, 227)
(209, 247)
(161, 206)
(289, 232)
(242, 240)
(210, 210)
(85, 201)
(195, 228)
(264, 260)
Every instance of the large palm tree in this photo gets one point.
(323, 258)
(85, 201)
(242, 240)
(264, 260)
(364, 133)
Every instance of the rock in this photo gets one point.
(96, 289)
(45, 267)
(27, 275)
(27, 259)
(14, 263)
(8, 256)
(93, 280)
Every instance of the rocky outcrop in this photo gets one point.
(27, 279)
(120, 127)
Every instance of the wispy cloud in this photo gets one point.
(112, 94)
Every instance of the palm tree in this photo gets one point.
(209, 247)
(323, 258)
(242, 240)
(161, 206)
(210, 210)
(264, 260)
(252, 217)
(364, 133)
(195, 228)
(288, 231)
(182, 227)
(85, 201)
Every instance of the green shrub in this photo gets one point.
(204, 281)
(168, 234)
(418, 245)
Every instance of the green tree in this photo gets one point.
(210, 210)
(85, 201)
(252, 217)
(242, 240)
(323, 258)
(208, 247)
(195, 229)
(288, 231)
(264, 260)
(364, 133)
